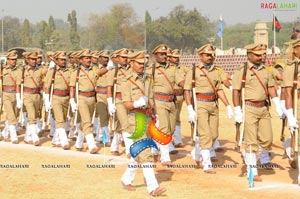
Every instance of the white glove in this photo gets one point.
(141, 102)
(292, 120)
(238, 114)
(283, 108)
(157, 121)
(51, 64)
(229, 111)
(19, 102)
(73, 105)
(47, 102)
(278, 107)
(192, 114)
(110, 65)
(111, 106)
(278, 91)
(230, 88)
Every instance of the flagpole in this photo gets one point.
(274, 29)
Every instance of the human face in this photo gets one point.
(263, 58)
(60, 62)
(94, 60)
(206, 58)
(161, 57)
(72, 60)
(39, 60)
(85, 61)
(174, 60)
(103, 60)
(255, 58)
(122, 60)
(137, 67)
(31, 62)
(12, 62)
(297, 51)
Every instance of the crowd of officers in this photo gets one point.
(92, 96)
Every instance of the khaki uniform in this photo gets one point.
(130, 93)
(164, 96)
(179, 92)
(33, 80)
(101, 89)
(121, 112)
(288, 78)
(258, 129)
(207, 109)
(60, 97)
(87, 96)
(10, 77)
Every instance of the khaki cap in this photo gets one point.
(123, 52)
(40, 53)
(104, 53)
(84, 53)
(207, 49)
(95, 54)
(71, 54)
(32, 55)
(162, 48)
(12, 55)
(24, 54)
(139, 56)
(258, 49)
(175, 53)
(60, 55)
(50, 53)
(295, 43)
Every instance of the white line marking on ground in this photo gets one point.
(58, 151)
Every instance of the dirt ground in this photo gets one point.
(82, 182)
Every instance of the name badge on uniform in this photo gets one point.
(135, 88)
(201, 75)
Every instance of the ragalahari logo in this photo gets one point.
(279, 6)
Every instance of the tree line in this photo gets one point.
(120, 27)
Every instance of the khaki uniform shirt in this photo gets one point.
(288, 73)
(33, 77)
(253, 89)
(202, 84)
(61, 80)
(11, 75)
(161, 84)
(87, 79)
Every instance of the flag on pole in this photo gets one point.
(220, 32)
(276, 24)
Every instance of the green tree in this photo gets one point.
(11, 32)
(74, 36)
(26, 34)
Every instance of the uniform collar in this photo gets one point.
(207, 67)
(162, 65)
(88, 68)
(257, 67)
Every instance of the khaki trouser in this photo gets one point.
(207, 123)
(60, 110)
(9, 105)
(145, 155)
(122, 117)
(179, 101)
(166, 112)
(86, 107)
(102, 110)
(32, 104)
(258, 129)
